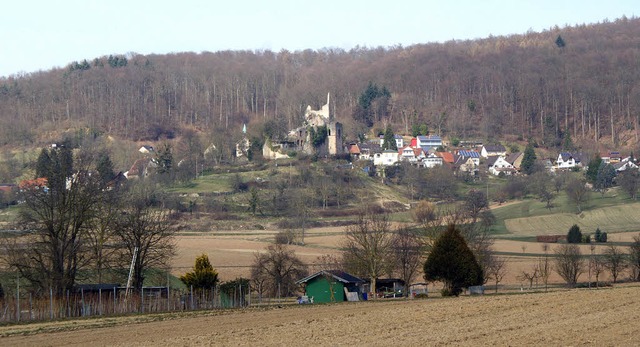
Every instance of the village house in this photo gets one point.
(625, 164)
(387, 157)
(493, 151)
(427, 143)
(432, 160)
(472, 155)
(500, 165)
(611, 157)
(515, 159)
(447, 157)
(567, 161)
(465, 164)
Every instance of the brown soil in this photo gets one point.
(596, 317)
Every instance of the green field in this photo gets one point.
(612, 212)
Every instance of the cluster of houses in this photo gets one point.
(429, 151)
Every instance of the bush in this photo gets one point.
(421, 296)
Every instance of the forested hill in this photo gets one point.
(583, 80)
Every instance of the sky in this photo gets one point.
(43, 34)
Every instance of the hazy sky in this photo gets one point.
(41, 34)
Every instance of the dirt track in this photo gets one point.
(577, 317)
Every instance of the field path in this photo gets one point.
(576, 317)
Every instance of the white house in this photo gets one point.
(407, 153)
(386, 158)
(568, 161)
(493, 151)
(432, 160)
(499, 165)
(428, 142)
(625, 164)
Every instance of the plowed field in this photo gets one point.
(604, 317)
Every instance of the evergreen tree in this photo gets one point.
(203, 275)
(105, 168)
(598, 235)
(592, 170)
(44, 164)
(164, 159)
(560, 42)
(528, 160)
(574, 235)
(604, 179)
(567, 143)
(452, 262)
(389, 141)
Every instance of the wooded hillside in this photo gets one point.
(582, 79)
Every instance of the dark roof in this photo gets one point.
(576, 156)
(491, 160)
(96, 287)
(339, 275)
(495, 148)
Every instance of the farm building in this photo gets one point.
(330, 285)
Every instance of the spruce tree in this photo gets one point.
(389, 140)
(453, 263)
(574, 235)
(528, 160)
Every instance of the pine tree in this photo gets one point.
(452, 262)
(389, 141)
(528, 160)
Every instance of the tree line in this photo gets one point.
(573, 80)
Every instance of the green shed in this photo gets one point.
(329, 285)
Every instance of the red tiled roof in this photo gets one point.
(446, 157)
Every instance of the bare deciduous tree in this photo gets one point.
(569, 263)
(146, 231)
(277, 270)
(614, 261)
(496, 270)
(544, 267)
(408, 252)
(367, 249)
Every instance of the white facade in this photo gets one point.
(386, 158)
(490, 151)
(501, 165)
(432, 160)
(429, 141)
(566, 161)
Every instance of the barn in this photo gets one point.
(331, 285)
